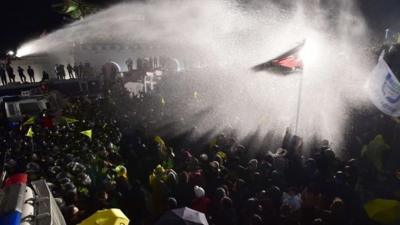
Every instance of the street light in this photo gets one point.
(10, 53)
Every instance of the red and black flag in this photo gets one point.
(285, 63)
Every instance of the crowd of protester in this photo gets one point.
(6, 70)
(126, 165)
(78, 71)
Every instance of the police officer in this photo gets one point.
(31, 74)
(3, 75)
(21, 74)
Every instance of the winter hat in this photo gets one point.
(199, 192)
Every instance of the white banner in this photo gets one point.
(385, 89)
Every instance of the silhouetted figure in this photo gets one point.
(62, 71)
(45, 76)
(3, 75)
(21, 74)
(10, 72)
(129, 64)
(57, 71)
(70, 71)
(76, 70)
(139, 64)
(31, 74)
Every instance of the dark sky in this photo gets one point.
(25, 19)
(381, 14)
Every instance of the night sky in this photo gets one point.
(25, 19)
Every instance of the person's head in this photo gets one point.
(339, 177)
(199, 192)
(220, 193)
(256, 220)
(311, 164)
(226, 203)
(71, 212)
(102, 196)
(239, 185)
(337, 205)
(203, 158)
(214, 166)
(183, 177)
(318, 221)
(253, 164)
(172, 203)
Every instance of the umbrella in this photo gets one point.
(383, 211)
(183, 216)
(106, 217)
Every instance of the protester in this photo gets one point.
(3, 75)
(103, 152)
(21, 74)
(10, 72)
(129, 64)
(201, 203)
(70, 71)
(31, 74)
(57, 71)
(45, 76)
(75, 69)
(62, 71)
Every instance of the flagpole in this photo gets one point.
(299, 103)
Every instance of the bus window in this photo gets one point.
(11, 109)
(29, 108)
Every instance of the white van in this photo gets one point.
(16, 107)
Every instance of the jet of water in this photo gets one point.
(235, 36)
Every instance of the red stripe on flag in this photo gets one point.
(290, 62)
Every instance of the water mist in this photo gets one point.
(232, 37)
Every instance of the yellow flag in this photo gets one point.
(30, 121)
(87, 133)
(159, 140)
(195, 94)
(70, 120)
(29, 133)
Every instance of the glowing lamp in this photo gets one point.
(10, 53)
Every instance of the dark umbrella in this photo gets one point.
(183, 216)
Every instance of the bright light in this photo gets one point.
(10, 53)
(310, 51)
(24, 51)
